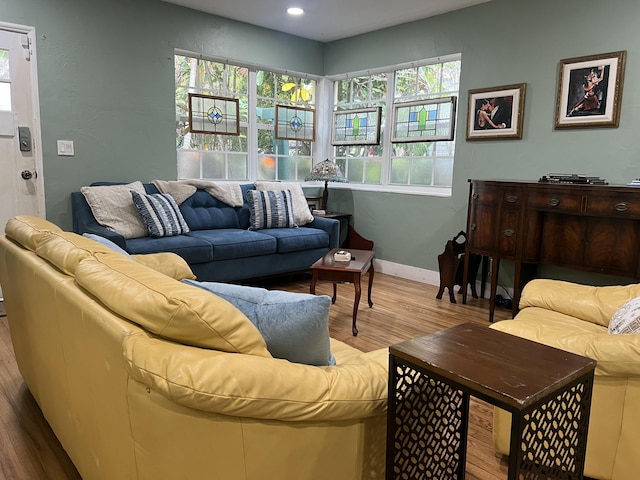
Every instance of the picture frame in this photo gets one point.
(295, 123)
(429, 120)
(496, 112)
(357, 126)
(214, 115)
(315, 203)
(590, 91)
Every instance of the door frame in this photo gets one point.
(36, 133)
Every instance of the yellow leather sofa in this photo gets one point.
(144, 377)
(575, 318)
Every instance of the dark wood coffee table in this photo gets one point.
(548, 392)
(327, 269)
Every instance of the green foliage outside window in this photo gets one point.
(409, 164)
(228, 157)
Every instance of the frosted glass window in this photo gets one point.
(5, 97)
(5, 87)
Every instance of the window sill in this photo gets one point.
(408, 190)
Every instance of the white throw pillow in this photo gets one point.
(301, 210)
(113, 208)
(627, 318)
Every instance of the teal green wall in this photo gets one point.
(502, 42)
(106, 81)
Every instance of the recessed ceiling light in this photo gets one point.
(295, 11)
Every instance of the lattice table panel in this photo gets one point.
(431, 378)
(553, 436)
(429, 427)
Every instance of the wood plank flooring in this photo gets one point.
(402, 309)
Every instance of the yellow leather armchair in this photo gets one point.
(575, 318)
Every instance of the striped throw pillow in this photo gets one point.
(160, 214)
(270, 209)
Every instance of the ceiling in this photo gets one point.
(326, 20)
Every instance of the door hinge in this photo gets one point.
(26, 45)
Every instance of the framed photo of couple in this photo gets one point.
(496, 112)
(590, 91)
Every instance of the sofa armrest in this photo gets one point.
(168, 263)
(242, 385)
(617, 355)
(85, 222)
(329, 225)
(592, 304)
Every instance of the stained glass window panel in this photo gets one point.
(424, 120)
(295, 123)
(357, 127)
(209, 114)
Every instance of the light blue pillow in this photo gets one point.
(106, 242)
(295, 326)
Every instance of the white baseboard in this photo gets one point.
(422, 275)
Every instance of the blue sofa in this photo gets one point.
(219, 246)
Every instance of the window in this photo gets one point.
(256, 153)
(262, 152)
(408, 166)
(206, 155)
(5, 79)
(362, 163)
(281, 159)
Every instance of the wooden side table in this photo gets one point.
(548, 392)
(344, 219)
(327, 269)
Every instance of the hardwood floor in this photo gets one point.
(402, 309)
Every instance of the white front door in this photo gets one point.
(21, 180)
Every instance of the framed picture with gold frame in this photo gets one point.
(590, 91)
(496, 112)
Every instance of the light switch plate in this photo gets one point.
(65, 148)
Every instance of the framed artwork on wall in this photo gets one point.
(496, 112)
(356, 127)
(424, 120)
(213, 115)
(590, 91)
(295, 123)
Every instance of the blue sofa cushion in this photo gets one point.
(192, 249)
(201, 211)
(160, 214)
(295, 326)
(228, 244)
(302, 238)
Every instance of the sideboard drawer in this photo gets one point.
(561, 202)
(620, 206)
(512, 198)
(484, 196)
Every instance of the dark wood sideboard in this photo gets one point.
(593, 228)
